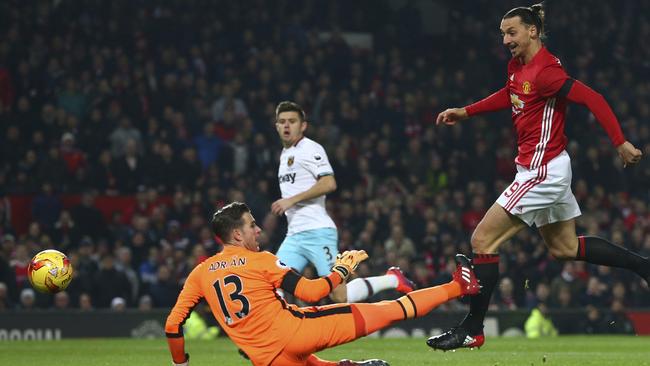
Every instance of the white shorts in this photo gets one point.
(542, 196)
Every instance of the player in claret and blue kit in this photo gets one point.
(538, 90)
(305, 177)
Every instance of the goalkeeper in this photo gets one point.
(239, 285)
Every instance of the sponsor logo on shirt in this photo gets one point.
(287, 178)
(317, 157)
(517, 104)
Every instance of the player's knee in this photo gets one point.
(561, 252)
(480, 242)
(339, 295)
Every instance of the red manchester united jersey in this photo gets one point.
(538, 112)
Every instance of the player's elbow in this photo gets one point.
(332, 186)
(173, 328)
(600, 99)
(329, 183)
(311, 291)
(311, 298)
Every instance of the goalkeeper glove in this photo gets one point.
(186, 363)
(348, 261)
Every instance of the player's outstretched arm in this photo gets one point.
(577, 92)
(188, 298)
(496, 101)
(314, 290)
(310, 290)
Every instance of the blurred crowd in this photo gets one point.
(173, 102)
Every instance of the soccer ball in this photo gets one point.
(50, 271)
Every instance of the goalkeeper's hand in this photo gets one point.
(348, 261)
(186, 363)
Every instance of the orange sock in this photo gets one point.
(313, 360)
(416, 303)
(421, 302)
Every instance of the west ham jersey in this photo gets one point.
(538, 113)
(300, 167)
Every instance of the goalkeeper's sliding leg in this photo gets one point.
(332, 325)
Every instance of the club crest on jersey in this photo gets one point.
(290, 161)
(526, 87)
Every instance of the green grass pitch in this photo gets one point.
(565, 351)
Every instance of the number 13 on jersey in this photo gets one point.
(232, 286)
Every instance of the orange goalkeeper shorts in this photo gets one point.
(323, 327)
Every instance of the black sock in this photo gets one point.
(486, 268)
(596, 250)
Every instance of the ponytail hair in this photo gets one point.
(533, 15)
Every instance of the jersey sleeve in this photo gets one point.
(496, 101)
(310, 290)
(580, 93)
(316, 162)
(550, 79)
(188, 298)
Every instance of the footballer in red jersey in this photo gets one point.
(537, 89)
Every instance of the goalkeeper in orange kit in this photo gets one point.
(239, 284)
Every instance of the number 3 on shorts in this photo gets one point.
(328, 253)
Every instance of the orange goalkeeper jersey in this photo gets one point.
(240, 287)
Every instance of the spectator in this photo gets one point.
(61, 301)
(5, 300)
(228, 101)
(504, 297)
(595, 322)
(5, 213)
(19, 264)
(129, 168)
(618, 321)
(124, 135)
(65, 232)
(109, 283)
(85, 302)
(145, 303)
(74, 159)
(208, 145)
(164, 291)
(399, 244)
(596, 293)
(539, 324)
(46, 207)
(27, 299)
(102, 175)
(118, 304)
(124, 265)
(88, 217)
(191, 168)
